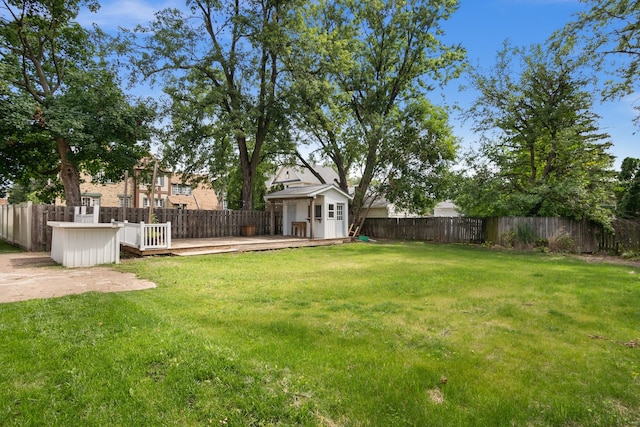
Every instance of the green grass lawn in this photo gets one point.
(351, 335)
(6, 248)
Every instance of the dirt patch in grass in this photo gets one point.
(609, 259)
(25, 276)
(436, 396)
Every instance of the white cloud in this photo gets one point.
(124, 13)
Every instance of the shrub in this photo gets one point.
(631, 255)
(525, 236)
(542, 243)
(561, 241)
(508, 238)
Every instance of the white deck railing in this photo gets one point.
(145, 236)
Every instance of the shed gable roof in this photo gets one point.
(302, 175)
(306, 191)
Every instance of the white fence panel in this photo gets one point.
(129, 234)
(15, 224)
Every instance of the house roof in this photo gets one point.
(379, 202)
(447, 204)
(302, 175)
(303, 192)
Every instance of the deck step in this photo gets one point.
(204, 252)
(229, 245)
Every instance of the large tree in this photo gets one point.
(221, 66)
(62, 109)
(541, 153)
(363, 96)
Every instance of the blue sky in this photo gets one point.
(481, 26)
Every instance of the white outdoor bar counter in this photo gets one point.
(77, 244)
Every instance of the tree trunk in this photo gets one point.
(248, 173)
(359, 198)
(69, 174)
(247, 190)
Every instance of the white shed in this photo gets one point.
(313, 211)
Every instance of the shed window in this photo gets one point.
(340, 212)
(332, 211)
(317, 212)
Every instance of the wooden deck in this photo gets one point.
(186, 247)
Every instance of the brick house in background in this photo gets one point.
(170, 192)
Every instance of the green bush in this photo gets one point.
(631, 255)
(542, 243)
(525, 236)
(508, 238)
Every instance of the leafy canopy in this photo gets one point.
(608, 33)
(362, 96)
(63, 111)
(221, 65)
(541, 153)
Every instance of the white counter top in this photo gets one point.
(79, 225)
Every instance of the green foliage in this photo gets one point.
(265, 74)
(542, 244)
(525, 235)
(63, 111)
(33, 191)
(541, 153)
(631, 255)
(362, 96)
(628, 194)
(608, 35)
(509, 238)
(221, 66)
(350, 335)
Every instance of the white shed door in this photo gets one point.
(340, 226)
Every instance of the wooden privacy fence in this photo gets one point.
(625, 238)
(189, 224)
(587, 236)
(435, 229)
(25, 225)
(184, 223)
